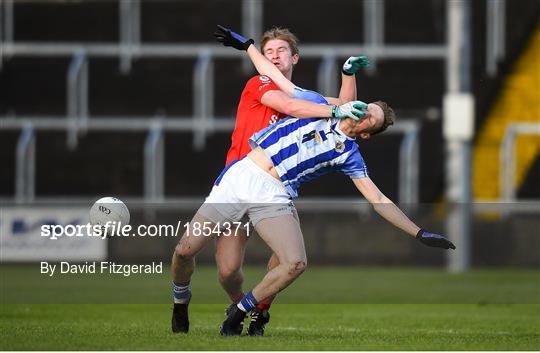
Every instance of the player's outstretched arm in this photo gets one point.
(348, 79)
(389, 211)
(262, 64)
(283, 102)
(301, 109)
(265, 67)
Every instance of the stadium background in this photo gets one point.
(43, 115)
(152, 87)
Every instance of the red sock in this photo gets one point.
(237, 297)
(266, 303)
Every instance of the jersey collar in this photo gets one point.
(335, 127)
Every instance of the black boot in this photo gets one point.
(180, 319)
(233, 325)
(259, 318)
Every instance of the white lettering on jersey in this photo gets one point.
(273, 119)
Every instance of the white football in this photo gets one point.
(109, 209)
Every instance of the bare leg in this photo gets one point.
(284, 236)
(273, 262)
(182, 267)
(229, 258)
(183, 260)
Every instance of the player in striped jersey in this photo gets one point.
(259, 99)
(302, 150)
(294, 152)
(263, 184)
(261, 103)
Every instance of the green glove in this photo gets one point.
(353, 64)
(353, 110)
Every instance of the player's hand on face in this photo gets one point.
(354, 64)
(232, 39)
(434, 240)
(354, 110)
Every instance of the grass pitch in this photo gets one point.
(293, 327)
(480, 325)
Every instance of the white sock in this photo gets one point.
(181, 292)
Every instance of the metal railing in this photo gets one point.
(154, 152)
(373, 27)
(77, 97)
(130, 31)
(495, 34)
(25, 170)
(305, 203)
(154, 164)
(203, 98)
(6, 26)
(507, 158)
(159, 50)
(409, 165)
(252, 18)
(327, 75)
(252, 22)
(203, 121)
(203, 82)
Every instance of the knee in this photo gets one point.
(229, 272)
(183, 253)
(296, 268)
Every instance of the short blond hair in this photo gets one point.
(283, 34)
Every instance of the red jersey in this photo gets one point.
(251, 116)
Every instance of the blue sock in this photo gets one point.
(248, 302)
(181, 292)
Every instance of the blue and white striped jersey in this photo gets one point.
(303, 149)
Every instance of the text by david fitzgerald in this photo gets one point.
(105, 267)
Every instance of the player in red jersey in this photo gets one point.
(261, 104)
(252, 116)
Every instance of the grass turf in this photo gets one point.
(340, 285)
(293, 327)
(343, 308)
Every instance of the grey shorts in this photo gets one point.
(222, 212)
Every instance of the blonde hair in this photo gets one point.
(283, 34)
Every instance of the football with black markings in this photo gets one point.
(109, 210)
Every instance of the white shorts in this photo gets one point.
(245, 188)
